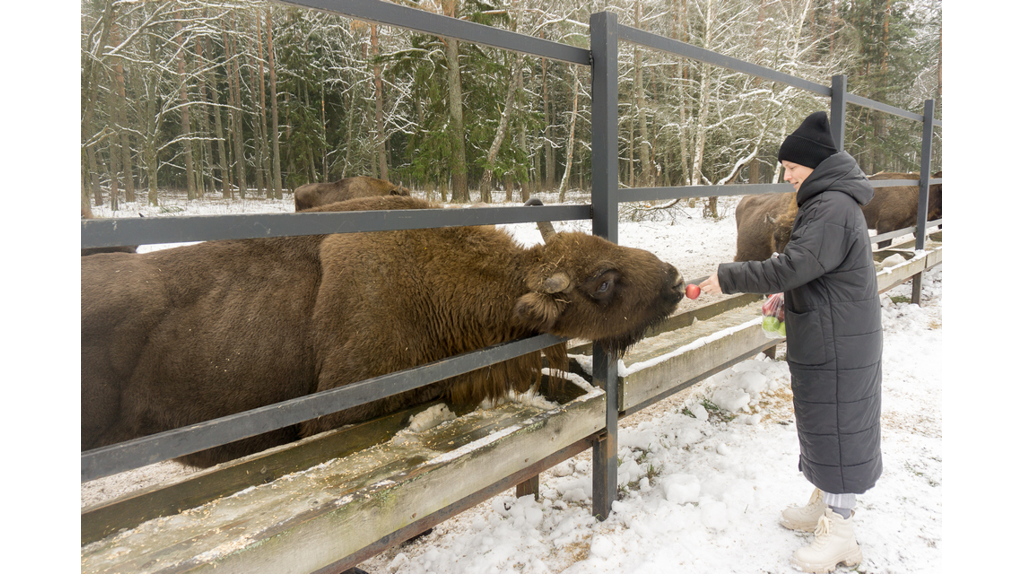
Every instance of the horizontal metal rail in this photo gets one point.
(906, 230)
(109, 460)
(902, 182)
(879, 106)
(150, 230)
(688, 191)
(679, 48)
(422, 21)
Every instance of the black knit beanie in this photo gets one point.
(810, 144)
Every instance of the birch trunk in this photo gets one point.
(499, 136)
(460, 178)
(641, 108)
(571, 143)
(274, 137)
(218, 126)
(204, 122)
(186, 124)
(711, 203)
(91, 89)
(234, 92)
(549, 150)
(121, 119)
(379, 105)
(259, 124)
(682, 71)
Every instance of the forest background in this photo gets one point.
(248, 98)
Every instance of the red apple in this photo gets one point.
(692, 291)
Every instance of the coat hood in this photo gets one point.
(839, 172)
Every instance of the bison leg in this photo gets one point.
(101, 401)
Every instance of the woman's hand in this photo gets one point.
(710, 285)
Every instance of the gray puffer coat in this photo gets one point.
(833, 326)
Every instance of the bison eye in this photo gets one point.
(601, 287)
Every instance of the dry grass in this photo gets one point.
(777, 406)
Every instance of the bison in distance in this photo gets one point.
(183, 335)
(764, 222)
(316, 194)
(895, 208)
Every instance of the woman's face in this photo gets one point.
(796, 173)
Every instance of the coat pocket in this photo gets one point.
(805, 341)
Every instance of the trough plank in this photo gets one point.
(204, 486)
(674, 360)
(310, 519)
(916, 263)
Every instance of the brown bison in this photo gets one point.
(316, 194)
(87, 214)
(183, 335)
(764, 223)
(895, 208)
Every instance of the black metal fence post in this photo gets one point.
(922, 204)
(604, 47)
(838, 115)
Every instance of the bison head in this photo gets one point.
(782, 229)
(782, 226)
(587, 287)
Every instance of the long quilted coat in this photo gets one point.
(833, 326)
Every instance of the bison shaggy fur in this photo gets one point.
(764, 223)
(316, 194)
(179, 336)
(895, 208)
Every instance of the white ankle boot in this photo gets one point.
(805, 518)
(834, 542)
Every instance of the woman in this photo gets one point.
(834, 337)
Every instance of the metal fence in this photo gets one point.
(606, 34)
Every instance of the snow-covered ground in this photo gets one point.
(703, 475)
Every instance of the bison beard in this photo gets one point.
(179, 336)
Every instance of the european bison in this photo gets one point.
(764, 223)
(87, 214)
(316, 194)
(895, 208)
(183, 335)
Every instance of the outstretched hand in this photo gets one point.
(711, 286)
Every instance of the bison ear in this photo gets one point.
(537, 311)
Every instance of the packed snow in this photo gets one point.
(704, 474)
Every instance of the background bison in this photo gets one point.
(183, 335)
(764, 222)
(316, 194)
(895, 208)
(763, 225)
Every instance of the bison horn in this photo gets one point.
(556, 283)
(547, 231)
